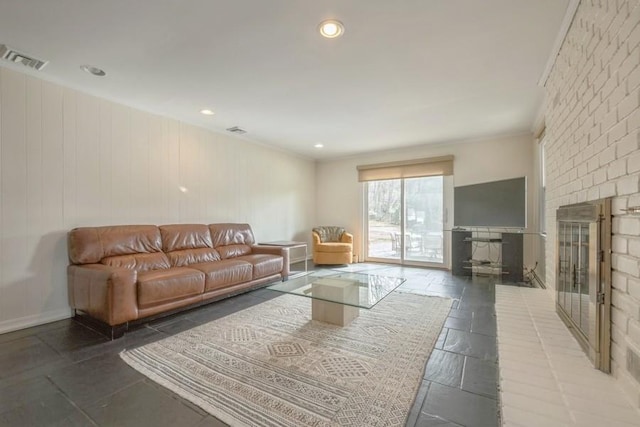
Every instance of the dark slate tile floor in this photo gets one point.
(64, 374)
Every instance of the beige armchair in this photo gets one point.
(332, 245)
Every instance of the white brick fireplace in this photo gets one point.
(592, 151)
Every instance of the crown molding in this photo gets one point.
(570, 13)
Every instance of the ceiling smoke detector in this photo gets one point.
(236, 130)
(21, 58)
(95, 71)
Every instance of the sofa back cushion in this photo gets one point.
(231, 234)
(232, 251)
(232, 240)
(187, 244)
(89, 245)
(178, 237)
(192, 256)
(138, 262)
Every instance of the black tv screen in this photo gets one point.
(491, 204)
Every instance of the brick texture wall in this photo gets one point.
(592, 151)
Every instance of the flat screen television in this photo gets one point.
(491, 204)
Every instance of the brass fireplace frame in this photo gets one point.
(583, 276)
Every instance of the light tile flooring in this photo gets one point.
(545, 378)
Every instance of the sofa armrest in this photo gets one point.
(275, 250)
(346, 238)
(316, 238)
(105, 293)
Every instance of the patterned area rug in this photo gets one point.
(271, 365)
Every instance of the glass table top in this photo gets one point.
(355, 289)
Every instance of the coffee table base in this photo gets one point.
(334, 313)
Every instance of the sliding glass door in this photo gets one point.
(405, 220)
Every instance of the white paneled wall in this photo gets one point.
(68, 159)
(592, 151)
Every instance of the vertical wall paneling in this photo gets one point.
(14, 196)
(224, 188)
(173, 191)
(105, 164)
(155, 177)
(244, 212)
(52, 247)
(188, 173)
(199, 175)
(68, 159)
(87, 176)
(207, 176)
(34, 190)
(121, 161)
(139, 179)
(183, 184)
(69, 132)
(237, 183)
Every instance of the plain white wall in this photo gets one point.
(68, 159)
(340, 195)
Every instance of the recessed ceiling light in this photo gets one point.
(207, 112)
(331, 28)
(318, 146)
(93, 70)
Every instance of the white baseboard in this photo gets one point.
(34, 320)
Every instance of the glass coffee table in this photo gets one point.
(337, 297)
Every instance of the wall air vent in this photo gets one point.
(236, 130)
(20, 58)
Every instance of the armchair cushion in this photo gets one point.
(334, 247)
(329, 233)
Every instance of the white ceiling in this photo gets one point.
(406, 72)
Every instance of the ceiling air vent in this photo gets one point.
(236, 130)
(20, 58)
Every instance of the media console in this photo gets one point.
(485, 251)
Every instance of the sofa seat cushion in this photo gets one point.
(223, 273)
(264, 264)
(160, 286)
(333, 247)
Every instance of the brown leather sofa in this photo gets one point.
(121, 274)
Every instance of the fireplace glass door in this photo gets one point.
(573, 282)
(583, 276)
